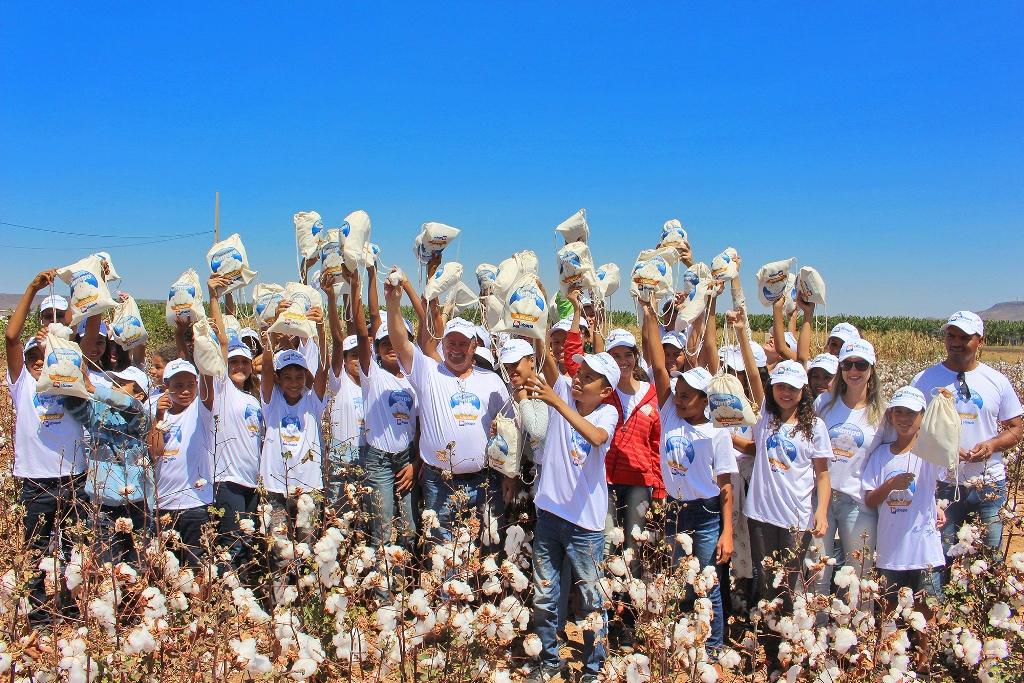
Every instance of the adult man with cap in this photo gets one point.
(458, 401)
(53, 309)
(990, 417)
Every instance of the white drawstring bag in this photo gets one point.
(608, 279)
(356, 234)
(396, 277)
(504, 448)
(293, 321)
(443, 280)
(307, 232)
(492, 311)
(673, 234)
(694, 303)
(127, 329)
(486, 274)
(725, 266)
(773, 281)
(59, 330)
(511, 269)
(692, 276)
(265, 298)
(433, 239)
(89, 293)
(207, 352)
(63, 371)
(811, 286)
(110, 273)
(727, 404)
(232, 328)
(938, 440)
(185, 300)
(534, 415)
(460, 298)
(340, 286)
(790, 306)
(576, 267)
(652, 274)
(227, 258)
(372, 254)
(574, 228)
(332, 261)
(525, 309)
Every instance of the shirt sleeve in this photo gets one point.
(422, 366)
(1009, 403)
(572, 346)
(821, 444)
(870, 475)
(82, 411)
(606, 417)
(724, 458)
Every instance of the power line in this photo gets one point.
(89, 234)
(105, 248)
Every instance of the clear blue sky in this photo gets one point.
(882, 143)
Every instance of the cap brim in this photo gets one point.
(793, 382)
(912, 405)
(960, 327)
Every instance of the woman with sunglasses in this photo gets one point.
(852, 411)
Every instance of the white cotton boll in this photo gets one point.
(1016, 562)
(457, 590)
(706, 672)
(616, 536)
(845, 576)
(638, 668)
(844, 640)
(532, 645)
(501, 676)
(515, 537)
(639, 535)
(302, 669)
(685, 542)
(430, 520)
(979, 567)
(616, 565)
(140, 640)
(996, 648)
(917, 621)
(489, 566)
(729, 659)
(999, 615)
(491, 586)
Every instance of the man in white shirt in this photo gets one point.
(990, 418)
(458, 401)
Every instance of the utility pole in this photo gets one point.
(216, 217)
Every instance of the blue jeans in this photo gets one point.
(554, 540)
(983, 504)
(480, 490)
(381, 469)
(702, 521)
(857, 527)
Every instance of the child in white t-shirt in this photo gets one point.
(572, 502)
(902, 487)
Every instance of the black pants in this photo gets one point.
(51, 507)
(238, 502)
(119, 546)
(189, 524)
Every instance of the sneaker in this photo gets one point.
(543, 674)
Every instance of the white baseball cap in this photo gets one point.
(789, 372)
(382, 331)
(350, 342)
(484, 353)
(55, 301)
(733, 357)
(966, 321)
(601, 363)
(566, 323)
(179, 365)
(483, 336)
(619, 337)
(133, 374)
(825, 361)
(248, 333)
(908, 397)
(673, 339)
(283, 359)
(31, 344)
(515, 350)
(237, 350)
(104, 330)
(698, 378)
(460, 326)
(858, 348)
(844, 332)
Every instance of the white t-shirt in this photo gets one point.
(783, 479)
(631, 401)
(347, 424)
(389, 405)
(993, 400)
(292, 446)
(573, 483)
(47, 442)
(692, 456)
(99, 379)
(907, 535)
(851, 435)
(456, 412)
(239, 434)
(186, 460)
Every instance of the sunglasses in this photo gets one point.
(861, 365)
(961, 386)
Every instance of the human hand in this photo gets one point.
(899, 482)
(723, 551)
(316, 314)
(403, 480)
(980, 452)
(820, 524)
(43, 280)
(536, 387)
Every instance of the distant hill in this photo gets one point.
(1008, 310)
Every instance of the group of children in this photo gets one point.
(629, 443)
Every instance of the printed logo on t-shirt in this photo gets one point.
(291, 430)
(846, 440)
(781, 451)
(400, 404)
(579, 448)
(680, 455)
(49, 409)
(253, 418)
(969, 408)
(465, 407)
(899, 501)
(357, 405)
(172, 441)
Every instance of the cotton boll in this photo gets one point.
(844, 640)
(996, 648)
(616, 565)
(616, 536)
(917, 621)
(685, 542)
(532, 645)
(999, 615)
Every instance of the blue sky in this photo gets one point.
(882, 143)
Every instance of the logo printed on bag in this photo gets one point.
(49, 408)
(781, 445)
(728, 409)
(846, 440)
(55, 359)
(227, 262)
(400, 402)
(291, 430)
(579, 448)
(465, 407)
(526, 293)
(128, 321)
(680, 455)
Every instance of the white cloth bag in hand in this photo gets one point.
(89, 293)
(504, 448)
(727, 404)
(773, 281)
(574, 228)
(811, 286)
(228, 259)
(608, 278)
(307, 232)
(207, 354)
(340, 286)
(461, 298)
(534, 415)
(434, 237)
(127, 329)
(443, 281)
(576, 268)
(486, 274)
(355, 233)
(63, 371)
(673, 234)
(185, 300)
(232, 328)
(511, 269)
(524, 309)
(293, 321)
(265, 298)
(725, 266)
(652, 275)
(938, 440)
(332, 260)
